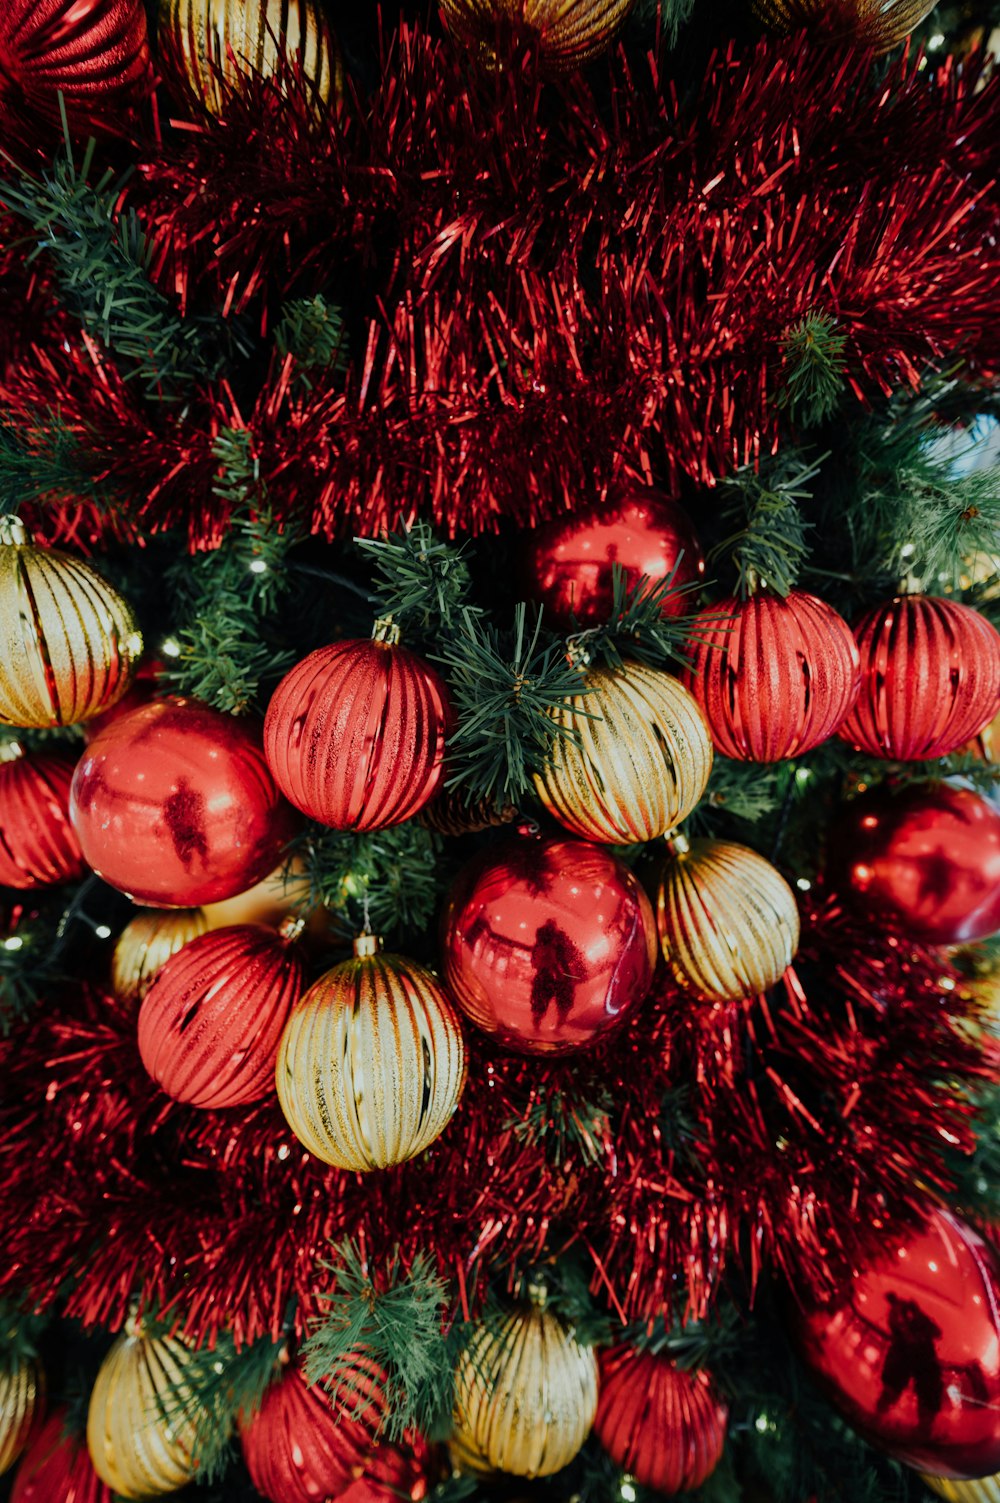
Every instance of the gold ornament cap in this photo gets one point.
(385, 630)
(13, 533)
(366, 945)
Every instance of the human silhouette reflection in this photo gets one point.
(912, 1359)
(559, 967)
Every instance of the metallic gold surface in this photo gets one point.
(881, 24)
(238, 36)
(568, 31)
(135, 1448)
(20, 1396)
(147, 943)
(979, 1490)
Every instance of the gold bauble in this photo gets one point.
(979, 1490)
(638, 759)
(728, 921)
(138, 1446)
(525, 1396)
(69, 643)
(147, 943)
(372, 1062)
(21, 1392)
(566, 32)
(230, 37)
(880, 24)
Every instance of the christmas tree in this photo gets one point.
(499, 793)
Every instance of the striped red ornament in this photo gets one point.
(355, 733)
(302, 1446)
(38, 845)
(94, 53)
(774, 676)
(210, 1024)
(57, 1466)
(664, 1426)
(930, 678)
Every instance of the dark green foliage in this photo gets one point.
(814, 369)
(745, 791)
(977, 1178)
(766, 535)
(636, 628)
(391, 879)
(45, 460)
(569, 1127)
(312, 331)
(219, 1384)
(20, 1335)
(33, 958)
(422, 581)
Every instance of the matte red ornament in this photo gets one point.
(909, 1348)
(355, 733)
(174, 805)
(547, 944)
(930, 678)
(210, 1024)
(664, 1426)
(94, 52)
(774, 677)
(38, 845)
(569, 564)
(926, 858)
(56, 1468)
(301, 1447)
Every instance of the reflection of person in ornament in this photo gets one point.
(184, 814)
(559, 967)
(911, 1358)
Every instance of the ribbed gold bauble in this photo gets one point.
(728, 921)
(137, 1449)
(641, 759)
(525, 1396)
(566, 32)
(69, 643)
(881, 24)
(979, 1490)
(250, 36)
(372, 1062)
(21, 1392)
(147, 943)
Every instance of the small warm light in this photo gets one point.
(803, 884)
(258, 566)
(803, 774)
(217, 1367)
(936, 41)
(907, 550)
(947, 984)
(761, 1424)
(13, 942)
(102, 931)
(170, 647)
(284, 1151)
(628, 1492)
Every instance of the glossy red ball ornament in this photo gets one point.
(210, 1024)
(302, 1447)
(909, 1348)
(174, 805)
(930, 678)
(355, 733)
(664, 1426)
(38, 845)
(569, 563)
(392, 1473)
(547, 944)
(926, 858)
(773, 677)
(56, 1468)
(93, 52)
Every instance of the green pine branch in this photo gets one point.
(31, 955)
(570, 1127)
(40, 460)
(390, 879)
(312, 331)
(216, 1386)
(636, 626)
(746, 791)
(813, 369)
(21, 1332)
(767, 532)
(422, 581)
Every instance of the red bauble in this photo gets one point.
(210, 1024)
(392, 1473)
(300, 1447)
(664, 1426)
(56, 1468)
(930, 678)
(38, 846)
(774, 677)
(926, 858)
(909, 1349)
(569, 565)
(174, 804)
(548, 943)
(355, 734)
(93, 52)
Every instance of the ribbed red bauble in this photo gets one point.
(355, 733)
(774, 676)
(392, 1473)
(210, 1024)
(909, 1348)
(926, 858)
(93, 52)
(56, 1468)
(930, 678)
(664, 1426)
(174, 805)
(569, 562)
(301, 1446)
(38, 846)
(547, 944)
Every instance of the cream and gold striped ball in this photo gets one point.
(728, 921)
(979, 1490)
(139, 1447)
(372, 1062)
(250, 36)
(637, 761)
(525, 1396)
(21, 1392)
(147, 943)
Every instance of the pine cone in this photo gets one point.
(449, 814)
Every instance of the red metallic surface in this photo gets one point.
(56, 1468)
(392, 1473)
(174, 805)
(774, 677)
(38, 846)
(665, 1427)
(355, 734)
(210, 1024)
(930, 678)
(299, 1449)
(927, 858)
(909, 1350)
(94, 52)
(548, 943)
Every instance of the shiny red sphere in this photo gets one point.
(56, 1468)
(909, 1349)
(38, 845)
(664, 1426)
(300, 1448)
(94, 52)
(548, 943)
(930, 678)
(174, 805)
(392, 1474)
(926, 858)
(569, 564)
(210, 1025)
(355, 734)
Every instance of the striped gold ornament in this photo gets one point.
(880, 24)
(979, 1490)
(566, 32)
(638, 759)
(525, 1396)
(69, 643)
(728, 921)
(21, 1393)
(217, 40)
(139, 1448)
(372, 1062)
(147, 943)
